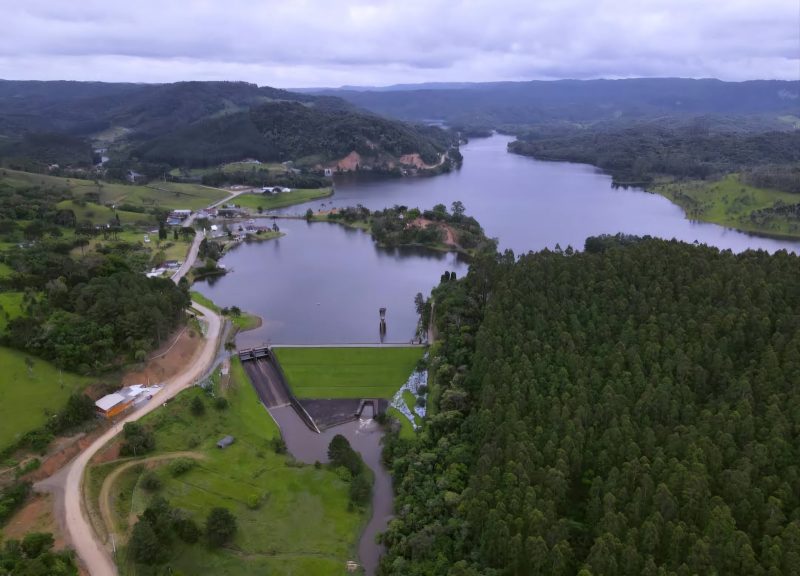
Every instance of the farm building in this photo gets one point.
(114, 404)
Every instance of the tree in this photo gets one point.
(138, 440)
(145, 545)
(220, 526)
(360, 490)
(197, 406)
(458, 209)
(162, 231)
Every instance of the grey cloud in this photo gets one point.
(304, 42)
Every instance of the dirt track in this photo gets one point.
(105, 490)
(91, 551)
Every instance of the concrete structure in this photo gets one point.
(120, 401)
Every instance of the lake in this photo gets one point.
(322, 283)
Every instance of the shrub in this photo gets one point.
(186, 528)
(150, 481)
(221, 403)
(181, 466)
(220, 526)
(197, 406)
(138, 440)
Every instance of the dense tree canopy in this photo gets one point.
(639, 154)
(632, 409)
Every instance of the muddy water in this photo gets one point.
(365, 437)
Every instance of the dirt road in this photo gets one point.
(108, 483)
(91, 551)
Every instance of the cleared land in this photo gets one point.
(347, 372)
(731, 203)
(283, 199)
(291, 519)
(168, 195)
(26, 396)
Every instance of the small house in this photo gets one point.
(225, 442)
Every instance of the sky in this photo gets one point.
(296, 43)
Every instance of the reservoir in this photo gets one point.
(322, 283)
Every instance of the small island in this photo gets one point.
(435, 229)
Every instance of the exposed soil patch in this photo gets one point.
(449, 233)
(35, 516)
(57, 460)
(109, 453)
(170, 359)
(349, 162)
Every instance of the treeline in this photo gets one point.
(641, 153)
(281, 131)
(91, 326)
(784, 177)
(36, 152)
(631, 409)
(351, 468)
(34, 556)
(264, 177)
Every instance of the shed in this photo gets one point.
(225, 442)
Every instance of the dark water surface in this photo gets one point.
(322, 283)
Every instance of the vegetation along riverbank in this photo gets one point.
(401, 226)
(717, 173)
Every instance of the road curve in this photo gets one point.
(88, 547)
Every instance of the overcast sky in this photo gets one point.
(295, 43)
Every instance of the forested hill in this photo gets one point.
(633, 409)
(193, 124)
(497, 104)
(641, 153)
(280, 131)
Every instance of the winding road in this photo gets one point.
(92, 552)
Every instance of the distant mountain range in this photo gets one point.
(498, 104)
(198, 124)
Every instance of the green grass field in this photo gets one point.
(5, 269)
(98, 214)
(291, 519)
(26, 397)
(730, 202)
(170, 195)
(347, 372)
(271, 201)
(10, 307)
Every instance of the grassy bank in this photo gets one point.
(28, 396)
(347, 372)
(282, 200)
(242, 322)
(168, 195)
(291, 519)
(729, 202)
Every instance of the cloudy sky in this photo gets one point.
(296, 43)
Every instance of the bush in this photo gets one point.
(181, 466)
(360, 490)
(220, 403)
(186, 528)
(254, 501)
(278, 445)
(197, 406)
(220, 526)
(145, 546)
(150, 481)
(138, 440)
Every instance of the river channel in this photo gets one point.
(324, 284)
